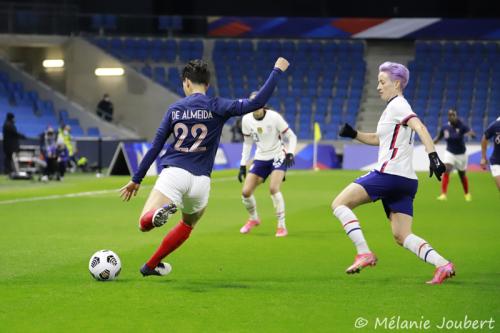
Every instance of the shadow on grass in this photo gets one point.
(207, 285)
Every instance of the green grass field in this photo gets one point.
(223, 281)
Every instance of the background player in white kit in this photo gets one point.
(394, 181)
(275, 151)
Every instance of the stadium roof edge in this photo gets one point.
(31, 40)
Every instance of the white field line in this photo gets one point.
(116, 191)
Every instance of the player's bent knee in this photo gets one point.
(145, 221)
(274, 189)
(399, 238)
(246, 193)
(337, 202)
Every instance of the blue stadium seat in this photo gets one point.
(77, 131)
(93, 131)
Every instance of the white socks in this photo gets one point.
(423, 250)
(251, 206)
(278, 203)
(351, 226)
(279, 207)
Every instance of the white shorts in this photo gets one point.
(495, 170)
(459, 162)
(188, 192)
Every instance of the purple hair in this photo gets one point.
(396, 72)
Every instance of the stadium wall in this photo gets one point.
(363, 157)
(139, 103)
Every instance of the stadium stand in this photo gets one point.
(325, 83)
(455, 74)
(33, 115)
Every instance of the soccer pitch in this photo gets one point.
(223, 281)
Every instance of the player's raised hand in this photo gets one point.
(128, 190)
(282, 64)
(436, 166)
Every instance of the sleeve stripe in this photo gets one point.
(405, 121)
(285, 130)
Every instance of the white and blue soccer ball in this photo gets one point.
(105, 265)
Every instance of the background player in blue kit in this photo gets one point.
(196, 123)
(454, 133)
(492, 132)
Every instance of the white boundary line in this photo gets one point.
(83, 194)
(90, 193)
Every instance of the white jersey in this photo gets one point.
(266, 134)
(395, 154)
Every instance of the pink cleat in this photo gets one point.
(249, 225)
(281, 232)
(442, 273)
(361, 261)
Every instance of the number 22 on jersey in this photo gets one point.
(198, 131)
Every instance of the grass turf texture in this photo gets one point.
(227, 282)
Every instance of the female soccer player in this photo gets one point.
(271, 135)
(393, 181)
(196, 123)
(454, 157)
(493, 131)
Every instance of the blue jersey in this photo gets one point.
(493, 131)
(196, 123)
(454, 136)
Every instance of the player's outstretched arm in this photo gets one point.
(436, 166)
(242, 106)
(346, 131)
(128, 190)
(265, 93)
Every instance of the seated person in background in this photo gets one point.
(48, 147)
(105, 108)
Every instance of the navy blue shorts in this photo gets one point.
(397, 193)
(264, 168)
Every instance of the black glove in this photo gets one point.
(346, 131)
(243, 173)
(289, 160)
(436, 166)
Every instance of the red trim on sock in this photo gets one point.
(146, 221)
(444, 183)
(350, 222)
(170, 243)
(420, 248)
(465, 184)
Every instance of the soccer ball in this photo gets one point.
(105, 265)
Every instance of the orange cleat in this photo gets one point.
(249, 226)
(361, 261)
(442, 273)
